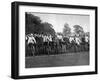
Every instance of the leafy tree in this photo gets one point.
(35, 25)
(78, 30)
(32, 23)
(32, 19)
(48, 28)
(66, 30)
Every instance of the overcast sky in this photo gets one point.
(58, 20)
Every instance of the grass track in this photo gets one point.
(69, 59)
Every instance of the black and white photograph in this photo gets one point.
(53, 40)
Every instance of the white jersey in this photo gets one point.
(86, 38)
(45, 38)
(71, 39)
(50, 38)
(77, 40)
(60, 37)
(31, 39)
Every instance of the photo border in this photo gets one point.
(15, 39)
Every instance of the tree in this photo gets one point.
(32, 19)
(32, 23)
(35, 25)
(47, 28)
(78, 30)
(66, 30)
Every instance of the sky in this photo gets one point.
(58, 20)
